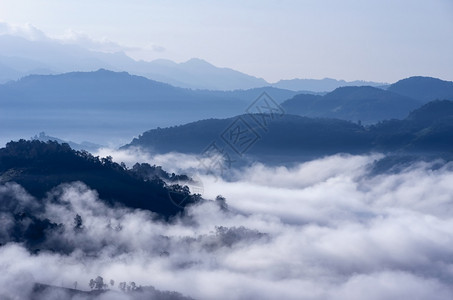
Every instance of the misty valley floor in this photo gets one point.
(228, 150)
(323, 229)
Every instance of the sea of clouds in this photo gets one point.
(324, 229)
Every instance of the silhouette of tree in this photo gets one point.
(78, 223)
(97, 284)
(221, 201)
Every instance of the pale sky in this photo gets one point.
(379, 40)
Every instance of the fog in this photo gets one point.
(323, 229)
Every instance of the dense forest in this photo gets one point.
(40, 167)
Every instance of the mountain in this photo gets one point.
(285, 136)
(87, 146)
(39, 167)
(199, 74)
(20, 57)
(42, 291)
(109, 107)
(428, 129)
(26, 56)
(7, 73)
(321, 85)
(424, 89)
(366, 104)
(278, 95)
(432, 112)
(105, 106)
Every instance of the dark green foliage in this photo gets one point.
(31, 230)
(39, 167)
(145, 171)
(78, 223)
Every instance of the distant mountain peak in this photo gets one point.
(19, 57)
(102, 70)
(88, 146)
(197, 61)
(107, 72)
(423, 88)
(425, 78)
(164, 62)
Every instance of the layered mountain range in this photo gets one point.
(20, 57)
(426, 130)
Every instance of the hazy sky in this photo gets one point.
(380, 40)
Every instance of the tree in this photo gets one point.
(221, 201)
(78, 223)
(108, 160)
(97, 284)
(122, 286)
(126, 288)
(132, 287)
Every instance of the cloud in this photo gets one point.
(27, 31)
(392, 285)
(157, 48)
(87, 42)
(171, 162)
(324, 229)
(72, 37)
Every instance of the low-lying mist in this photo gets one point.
(324, 229)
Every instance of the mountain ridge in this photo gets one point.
(322, 85)
(104, 105)
(296, 136)
(40, 167)
(365, 104)
(423, 88)
(21, 57)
